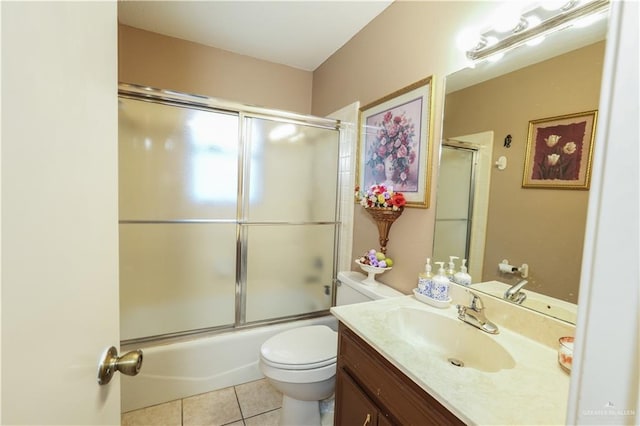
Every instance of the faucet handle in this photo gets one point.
(476, 303)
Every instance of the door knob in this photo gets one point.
(129, 364)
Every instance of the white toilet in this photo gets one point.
(301, 362)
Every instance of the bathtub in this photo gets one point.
(182, 369)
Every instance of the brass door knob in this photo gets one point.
(129, 364)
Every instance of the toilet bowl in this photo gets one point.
(301, 362)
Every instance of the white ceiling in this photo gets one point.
(300, 34)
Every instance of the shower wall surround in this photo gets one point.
(228, 216)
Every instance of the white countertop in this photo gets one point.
(534, 391)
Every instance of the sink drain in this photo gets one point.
(456, 362)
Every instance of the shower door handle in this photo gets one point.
(129, 364)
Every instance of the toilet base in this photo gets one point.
(296, 412)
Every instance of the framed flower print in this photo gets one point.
(395, 144)
(559, 151)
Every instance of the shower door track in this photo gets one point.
(182, 336)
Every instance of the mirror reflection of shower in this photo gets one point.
(455, 202)
(462, 200)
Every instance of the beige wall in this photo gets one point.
(151, 59)
(541, 227)
(407, 42)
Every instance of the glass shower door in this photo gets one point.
(178, 172)
(455, 202)
(227, 217)
(289, 218)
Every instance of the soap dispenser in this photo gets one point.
(440, 289)
(462, 277)
(451, 270)
(425, 280)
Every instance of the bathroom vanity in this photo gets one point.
(372, 391)
(403, 362)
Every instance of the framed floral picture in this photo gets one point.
(395, 146)
(559, 151)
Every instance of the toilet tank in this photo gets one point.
(351, 290)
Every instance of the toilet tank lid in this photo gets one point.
(354, 280)
(313, 346)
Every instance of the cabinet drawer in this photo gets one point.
(404, 401)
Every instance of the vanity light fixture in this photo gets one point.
(535, 24)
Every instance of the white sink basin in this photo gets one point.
(458, 344)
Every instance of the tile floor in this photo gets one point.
(249, 404)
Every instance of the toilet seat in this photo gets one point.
(299, 366)
(302, 348)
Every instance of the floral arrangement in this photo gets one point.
(379, 196)
(560, 160)
(394, 143)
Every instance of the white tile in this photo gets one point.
(271, 418)
(167, 414)
(214, 408)
(258, 397)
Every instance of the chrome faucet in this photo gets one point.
(514, 294)
(474, 315)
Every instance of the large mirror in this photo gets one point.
(484, 213)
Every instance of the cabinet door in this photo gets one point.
(402, 401)
(353, 407)
(383, 421)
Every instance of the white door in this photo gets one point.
(59, 211)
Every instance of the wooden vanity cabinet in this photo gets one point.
(370, 391)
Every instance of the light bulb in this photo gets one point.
(506, 18)
(468, 39)
(533, 21)
(553, 4)
(491, 41)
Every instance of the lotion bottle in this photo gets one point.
(440, 290)
(451, 270)
(425, 280)
(462, 277)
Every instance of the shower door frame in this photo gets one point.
(450, 144)
(244, 112)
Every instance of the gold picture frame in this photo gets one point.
(559, 151)
(395, 142)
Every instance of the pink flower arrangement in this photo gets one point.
(379, 196)
(393, 143)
